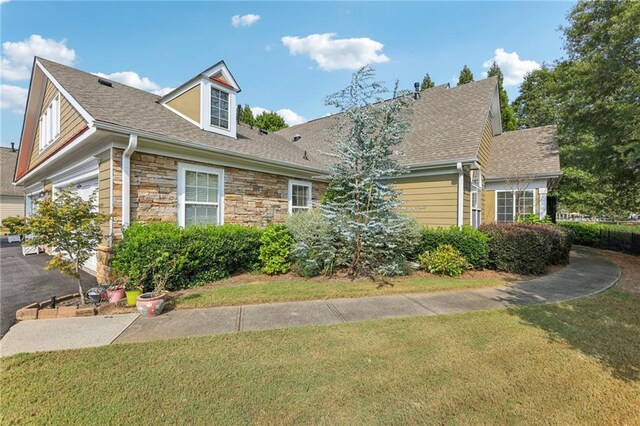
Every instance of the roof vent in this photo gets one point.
(13, 147)
(296, 138)
(304, 156)
(416, 90)
(105, 82)
(263, 132)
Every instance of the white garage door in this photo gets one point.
(85, 189)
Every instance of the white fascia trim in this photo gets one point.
(434, 164)
(460, 220)
(60, 153)
(292, 182)
(155, 137)
(506, 186)
(81, 167)
(83, 112)
(126, 179)
(33, 189)
(182, 169)
(222, 67)
(533, 176)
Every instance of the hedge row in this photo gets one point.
(471, 243)
(611, 237)
(527, 248)
(197, 254)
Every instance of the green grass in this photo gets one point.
(570, 363)
(286, 291)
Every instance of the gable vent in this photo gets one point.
(105, 82)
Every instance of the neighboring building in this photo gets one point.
(184, 158)
(11, 196)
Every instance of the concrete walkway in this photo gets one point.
(587, 274)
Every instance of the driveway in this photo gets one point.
(23, 280)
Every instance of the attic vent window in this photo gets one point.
(105, 82)
(219, 108)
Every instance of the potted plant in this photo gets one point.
(151, 304)
(95, 294)
(115, 293)
(16, 226)
(132, 291)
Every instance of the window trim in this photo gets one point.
(54, 113)
(513, 191)
(479, 197)
(205, 109)
(181, 189)
(211, 89)
(305, 183)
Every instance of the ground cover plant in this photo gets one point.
(567, 363)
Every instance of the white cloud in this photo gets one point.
(17, 56)
(13, 98)
(132, 79)
(290, 117)
(4, 1)
(332, 53)
(244, 20)
(513, 68)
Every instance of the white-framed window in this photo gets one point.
(50, 123)
(512, 204)
(476, 198)
(219, 108)
(299, 196)
(200, 195)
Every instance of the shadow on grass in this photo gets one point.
(606, 326)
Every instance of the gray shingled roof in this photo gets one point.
(528, 152)
(446, 125)
(8, 160)
(129, 107)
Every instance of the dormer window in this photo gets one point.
(219, 108)
(208, 100)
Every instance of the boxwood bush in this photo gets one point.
(526, 248)
(471, 243)
(199, 253)
(585, 234)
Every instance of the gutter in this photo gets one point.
(153, 136)
(532, 176)
(126, 179)
(460, 193)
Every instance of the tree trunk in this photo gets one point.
(82, 299)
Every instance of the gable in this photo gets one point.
(188, 103)
(485, 144)
(69, 121)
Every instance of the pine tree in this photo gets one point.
(247, 116)
(368, 231)
(506, 111)
(427, 83)
(466, 76)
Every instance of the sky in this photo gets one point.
(286, 57)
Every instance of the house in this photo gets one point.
(11, 196)
(184, 157)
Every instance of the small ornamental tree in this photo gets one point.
(71, 227)
(363, 212)
(427, 83)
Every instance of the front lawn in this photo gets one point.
(569, 363)
(285, 290)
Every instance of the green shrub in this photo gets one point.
(15, 225)
(313, 252)
(585, 234)
(533, 218)
(517, 249)
(275, 250)
(471, 243)
(558, 240)
(141, 246)
(444, 260)
(197, 254)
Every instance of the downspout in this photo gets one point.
(126, 180)
(460, 193)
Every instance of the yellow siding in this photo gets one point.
(485, 145)
(71, 122)
(432, 200)
(104, 191)
(488, 206)
(466, 199)
(188, 103)
(11, 205)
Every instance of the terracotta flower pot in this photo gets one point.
(115, 295)
(150, 305)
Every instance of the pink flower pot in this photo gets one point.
(150, 305)
(115, 295)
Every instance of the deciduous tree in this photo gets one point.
(270, 121)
